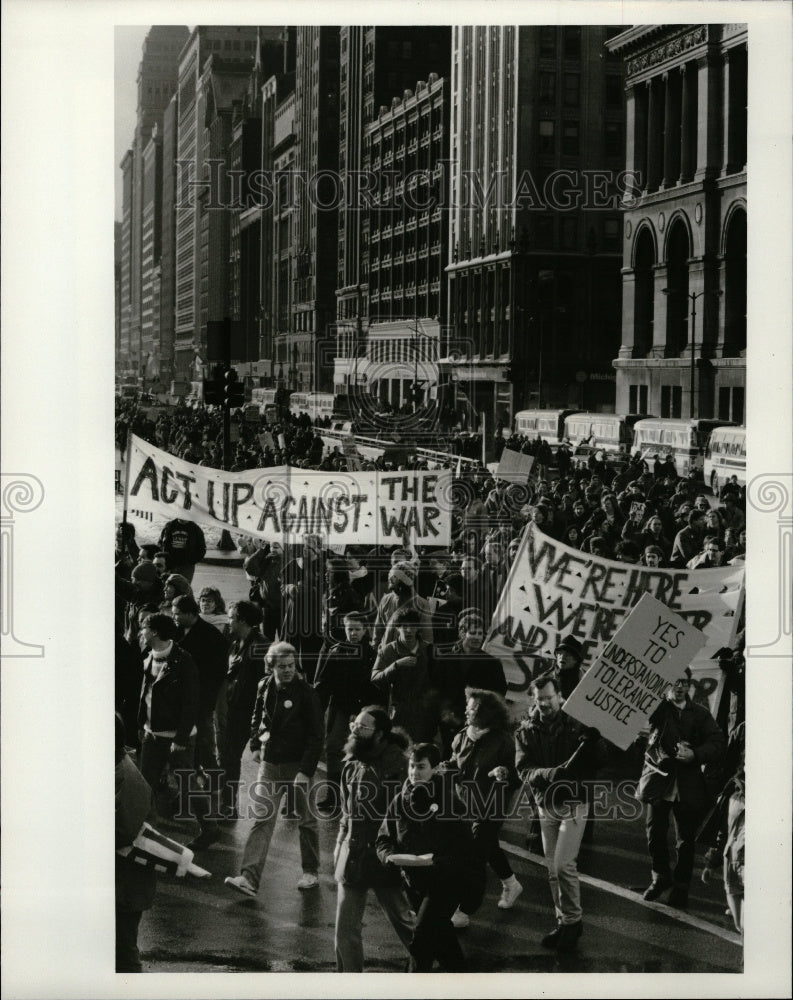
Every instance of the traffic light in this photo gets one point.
(213, 387)
(233, 389)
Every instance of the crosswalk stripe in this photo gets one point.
(617, 890)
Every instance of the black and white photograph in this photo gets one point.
(438, 347)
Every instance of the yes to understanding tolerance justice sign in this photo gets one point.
(625, 685)
(553, 591)
(284, 504)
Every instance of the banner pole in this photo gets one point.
(126, 474)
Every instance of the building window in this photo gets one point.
(613, 139)
(613, 90)
(572, 43)
(671, 401)
(731, 403)
(571, 90)
(569, 232)
(611, 234)
(547, 128)
(547, 41)
(544, 232)
(637, 399)
(547, 88)
(570, 139)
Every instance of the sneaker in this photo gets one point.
(657, 887)
(205, 839)
(568, 936)
(460, 919)
(241, 884)
(510, 892)
(552, 938)
(308, 880)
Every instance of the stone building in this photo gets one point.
(683, 350)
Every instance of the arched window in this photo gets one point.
(735, 285)
(644, 304)
(677, 296)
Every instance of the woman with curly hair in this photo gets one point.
(483, 756)
(213, 608)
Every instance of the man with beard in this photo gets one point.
(556, 756)
(374, 769)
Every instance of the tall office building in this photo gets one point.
(213, 72)
(683, 349)
(376, 66)
(156, 80)
(534, 231)
(314, 232)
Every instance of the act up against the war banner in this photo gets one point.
(284, 504)
(553, 591)
(626, 683)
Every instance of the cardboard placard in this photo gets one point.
(629, 679)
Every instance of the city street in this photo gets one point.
(203, 926)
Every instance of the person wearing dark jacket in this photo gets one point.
(374, 770)
(402, 671)
(286, 740)
(184, 544)
(135, 884)
(237, 695)
(343, 684)
(483, 757)
(168, 707)
(683, 737)
(465, 665)
(425, 836)
(556, 757)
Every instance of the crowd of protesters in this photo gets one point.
(372, 662)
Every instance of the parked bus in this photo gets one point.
(315, 404)
(547, 424)
(725, 456)
(609, 432)
(685, 439)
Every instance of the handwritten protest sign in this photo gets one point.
(627, 682)
(285, 504)
(514, 466)
(554, 590)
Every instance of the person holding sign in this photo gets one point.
(555, 755)
(683, 737)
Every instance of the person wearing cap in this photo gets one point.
(263, 570)
(401, 593)
(683, 737)
(569, 655)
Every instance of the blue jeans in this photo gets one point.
(265, 798)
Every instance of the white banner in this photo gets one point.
(627, 682)
(553, 591)
(285, 503)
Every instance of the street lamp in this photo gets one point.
(693, 296)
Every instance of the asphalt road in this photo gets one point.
(201, 926)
